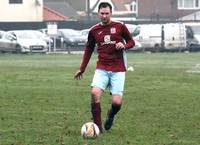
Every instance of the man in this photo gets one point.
(112, 39)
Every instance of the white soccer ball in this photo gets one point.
(90, 130)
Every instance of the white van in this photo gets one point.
(196, 29)
(193, 36)
(174, 36)
(148, 35)
(170, 36)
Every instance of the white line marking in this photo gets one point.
(195, 69)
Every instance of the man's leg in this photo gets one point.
(115, 107)
(99, 83)
(96, 106)
(117, 80)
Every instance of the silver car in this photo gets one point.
(74, 37)
(8, 43)
(29, 41)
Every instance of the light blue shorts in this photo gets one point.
(107, 79)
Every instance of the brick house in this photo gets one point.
(153, 10)
(42, 10)
(166, 9)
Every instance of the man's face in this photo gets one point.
(104, 15)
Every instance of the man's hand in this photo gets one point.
(120, 45)
(78, 75)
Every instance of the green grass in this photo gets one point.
(41, 103)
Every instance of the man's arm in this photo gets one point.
(128, 38)
(86, 56)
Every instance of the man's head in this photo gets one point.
(105, 12)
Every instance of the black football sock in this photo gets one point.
(114, 109)
(96, 114)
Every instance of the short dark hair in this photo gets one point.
(104, 5)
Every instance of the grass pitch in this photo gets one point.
(41, 103)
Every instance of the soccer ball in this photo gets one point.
(89, 130)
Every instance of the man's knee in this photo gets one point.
(117, 99)
(96, 94)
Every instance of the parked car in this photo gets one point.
(84, 34)
(131, 27)
(74, 37)
(44, 37)
(137, 47)
(61, 43)
(193, 36)
(161, 37)
(28, 40)
(1, 33)
(8, 43)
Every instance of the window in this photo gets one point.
(196, 29)
(15, 1)
(180, 3)
(196, 3)
(188, 4)
(136, 31)
(189, 33)
(133, 6)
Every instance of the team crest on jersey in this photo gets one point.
(107, 38)
(113, 30)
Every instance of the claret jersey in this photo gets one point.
(105, 37)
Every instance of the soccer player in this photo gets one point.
(112, 40)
